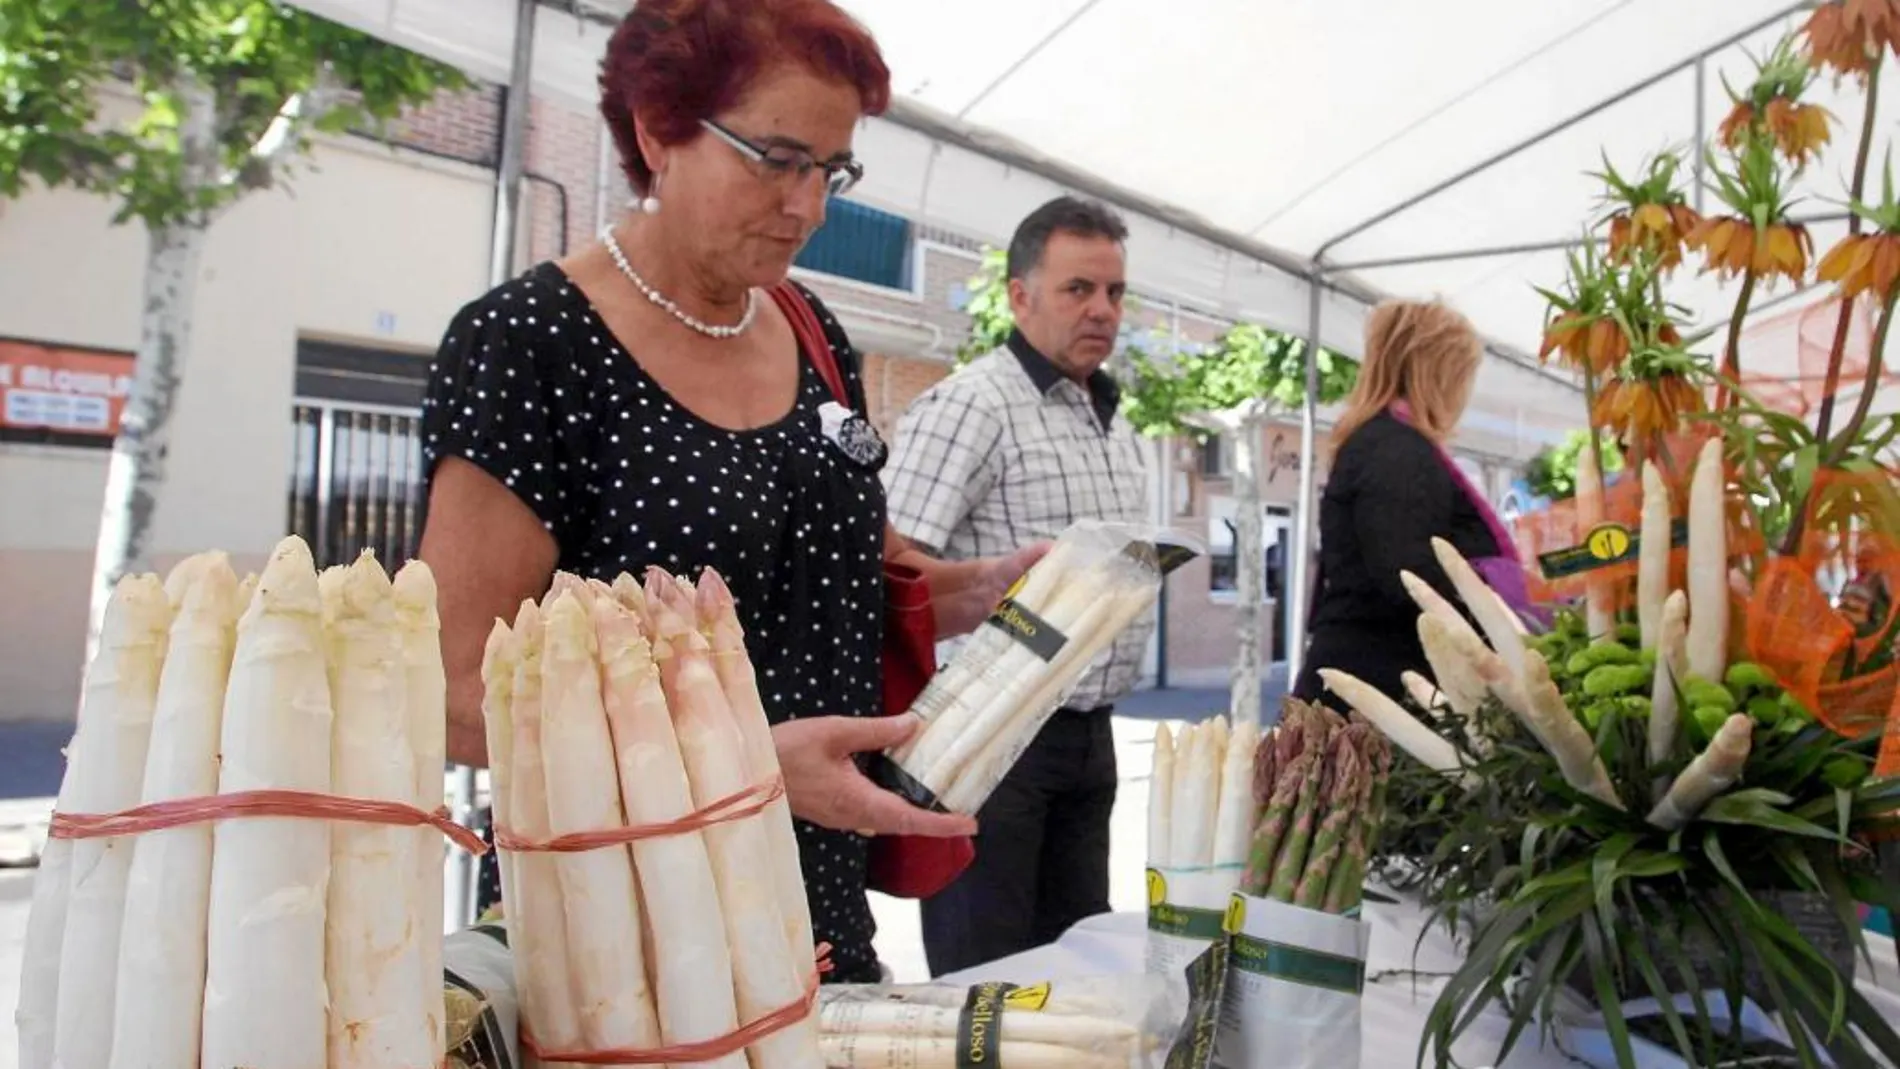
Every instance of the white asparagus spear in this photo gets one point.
(1430, 749)
(35, 1013)
(1665, 710)
(265, 998)
(108, 765)
(538, 917)
(1194, 827)
(425, 684)
(765, 976)
(499, 656)
(1713, 771)
(606, 961)
(1234, 820)
(1652, 555)
(1597, 614)
(160, 988)
(1453, 651)
(1161, 799)
(692, 964)
(879, 1051)
(1432, 603)
(1500, 626)
(719, 622)
(379, 1012)
(1425, 694)
(1182, 807)
(1708, 566)
(1563, 735)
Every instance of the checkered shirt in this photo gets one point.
(987, 461)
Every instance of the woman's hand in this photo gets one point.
(825, 786)
(962, 594)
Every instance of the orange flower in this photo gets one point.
(1638, 410)
(1585, 341)
(1799, 130)
(1863, 263)
(1733, 246)
(1847, 34)
(1660, 227)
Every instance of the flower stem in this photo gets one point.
(1838, 448)
(1732, 357)
(1837, 354)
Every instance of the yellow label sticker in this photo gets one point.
(1608, 541)
(1016, 587)
(1157, 888)
(1236, 917)
(1029, 999)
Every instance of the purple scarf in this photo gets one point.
(1503, 573)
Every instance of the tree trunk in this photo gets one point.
(1249, 559)
(137, 471)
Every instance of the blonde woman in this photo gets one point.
(1392, 489)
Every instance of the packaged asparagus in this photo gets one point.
(1111, 1022)
(982, 709)
(1201, 811)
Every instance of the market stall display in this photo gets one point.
(235, 875)
(639, 814)
(982, 709)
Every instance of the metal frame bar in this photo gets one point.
(1461, 254)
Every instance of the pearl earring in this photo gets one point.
(649, 205)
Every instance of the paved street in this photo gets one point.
(30, 766)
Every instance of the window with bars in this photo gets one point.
(356, 453)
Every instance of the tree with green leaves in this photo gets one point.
(1232, 389)
(1553, 472)
(220, 98)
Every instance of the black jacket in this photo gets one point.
(1387, 497)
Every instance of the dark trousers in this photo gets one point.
(1041, 850)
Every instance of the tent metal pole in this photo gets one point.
(1461, 254)
(1552, 131)
(1701, 131)
(1299, 596)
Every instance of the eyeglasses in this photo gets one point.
(786, 164)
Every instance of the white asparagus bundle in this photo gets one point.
(1161, 800)
(108, 765)
(1652, 560)
(1026, 714)
(766, 977)
(1499, 624)
(160, 987)
(35, 1013)
(1599, 619)
(719, 621)
(427, 697)
(1199, 796)
(379, 1016)
(1713, 771)
(607, 963)
(265, 1004)
(1234, 819)
(1429, 748)
(1708, 566)
(537, 917)
(1672, 667)
(692, 963)
(1453, 652)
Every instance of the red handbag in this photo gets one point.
(903, 866)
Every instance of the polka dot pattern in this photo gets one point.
(531, 386)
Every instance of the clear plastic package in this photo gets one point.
(982, 709)
(1109, 1022)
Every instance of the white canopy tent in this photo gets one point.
(1287, 162)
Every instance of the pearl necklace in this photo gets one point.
(664, 302)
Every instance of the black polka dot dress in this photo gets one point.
(532, 387)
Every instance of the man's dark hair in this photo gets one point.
(1067, 215)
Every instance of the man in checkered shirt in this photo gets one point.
(1007, 452)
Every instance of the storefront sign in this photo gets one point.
(62, 392)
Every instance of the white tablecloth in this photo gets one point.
(1401, 985)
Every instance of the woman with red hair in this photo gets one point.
(644, 402)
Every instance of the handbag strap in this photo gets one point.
(811, 338)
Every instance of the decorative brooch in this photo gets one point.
(852, 434)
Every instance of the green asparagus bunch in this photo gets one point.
(1320, 783)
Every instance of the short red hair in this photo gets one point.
(680, 61)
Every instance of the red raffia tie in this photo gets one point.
(158, 816)
(737, 806)
(704, 1051)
